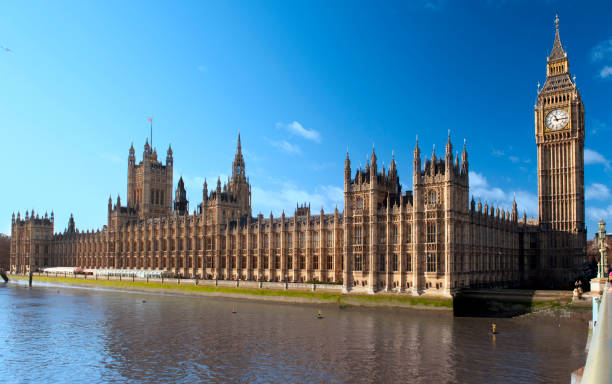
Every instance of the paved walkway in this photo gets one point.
(598, 368)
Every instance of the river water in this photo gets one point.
(62, 334)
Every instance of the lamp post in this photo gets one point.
(601, 267)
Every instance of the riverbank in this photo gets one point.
(319, 296)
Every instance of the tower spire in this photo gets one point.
(557, 50)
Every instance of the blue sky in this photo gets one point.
(301, 81)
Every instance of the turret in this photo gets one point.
(464, 159)
(416, 161)
(132, 156)
(205, 192)
(169, 159)
(347, 171)
(373, 168)
(71, 226)
(181, 204)
(147, 150)
(449, 152)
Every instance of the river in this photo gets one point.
(63, 334)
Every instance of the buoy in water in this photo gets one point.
(493, 329)
(319, 315)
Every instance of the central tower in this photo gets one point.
(559, 132)
(150, 183)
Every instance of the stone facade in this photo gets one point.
(431, 239)
(5, 248)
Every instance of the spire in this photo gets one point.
(417, 151)
(449, 146)
(373, 158)
(557, 50)
(238, 164)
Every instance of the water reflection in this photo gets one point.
(101, 336)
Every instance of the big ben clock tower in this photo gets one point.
(559, 132)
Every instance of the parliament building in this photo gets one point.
(434, 238)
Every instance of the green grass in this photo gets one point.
(341, 299)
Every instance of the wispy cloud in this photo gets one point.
(288, 195)
(595, 213)
(596, 191)
(605, 72)
(480, 188)
(594, 157)
(602, 50)
(285, 146)
(297, 129)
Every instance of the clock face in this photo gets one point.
(556, 120)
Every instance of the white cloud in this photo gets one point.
(286, 198)
(606, 72)
(297, 129)
(602, 50)
(600, 213)
(594, 157)
(286, 146)
(596, 191)
(480, 188)
(514, 159)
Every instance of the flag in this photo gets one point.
(150, 119)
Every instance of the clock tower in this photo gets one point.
(559, 132)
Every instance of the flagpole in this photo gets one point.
(151, 133)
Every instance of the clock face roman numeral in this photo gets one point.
(556, 120)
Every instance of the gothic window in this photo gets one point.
(382, 263)
(233, 262)
(395, 234)
(254, 261)
(290, 262)
(383, 234)
(432, 197)
(265, 242)
(408, 263)
(330, 239)
(266, 262)
(330, 263)
(358, 262)
(431, 233)
(315, 240)
(359, 203)
(277, 262)
(358, 236)
(302, 262)
(432, 262)
(290, 240)
(394, 262)
(276, 240)
(315, 262)
(301, 239)
(223, 262)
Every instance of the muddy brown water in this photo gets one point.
(64, 334)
